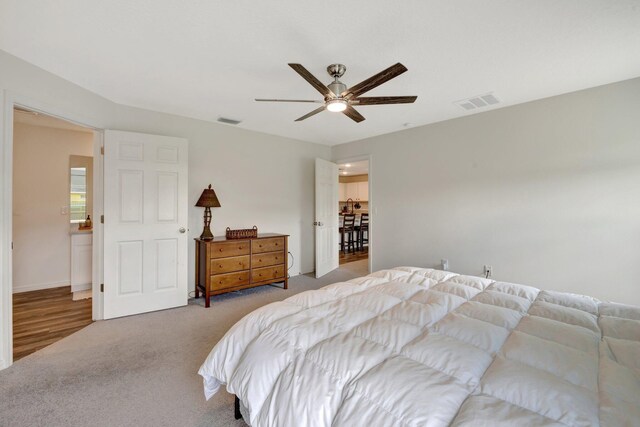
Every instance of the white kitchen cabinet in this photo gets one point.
(351, 191)
(363, 191)
(81, 260)
(342, 192)
(358, 191)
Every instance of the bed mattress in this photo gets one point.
(421, 347)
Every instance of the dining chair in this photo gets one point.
(348, 229)
(362, 230)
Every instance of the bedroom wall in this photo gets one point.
(41, 240)
(547, 192)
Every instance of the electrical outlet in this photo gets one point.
(445, 264)
(488, 271)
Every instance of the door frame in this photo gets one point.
(369, 158)
(11, 100)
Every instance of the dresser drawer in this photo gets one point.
(228, 265)
(227, 249)
(267, 273)
(267, 259)
(229, 280)
(268, 245)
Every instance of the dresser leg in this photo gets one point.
(197, 270)
(207, 301)
(286, 283)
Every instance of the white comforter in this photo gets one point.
(422, 347)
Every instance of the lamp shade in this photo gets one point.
(208, 199)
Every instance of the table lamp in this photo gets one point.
(208, 200)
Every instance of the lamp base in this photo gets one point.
(206, 234)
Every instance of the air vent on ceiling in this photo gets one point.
(228, 121)
(479, 101)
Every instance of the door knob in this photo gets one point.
(182, 230)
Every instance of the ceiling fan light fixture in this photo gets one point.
(336, 105)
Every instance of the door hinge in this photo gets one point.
(101, 287)
(102, 150)
(101, 219)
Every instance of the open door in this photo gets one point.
(326, 222)
(145, 223)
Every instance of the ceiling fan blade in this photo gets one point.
(289, 100)
(353, 114)
(374, 81)
(382, 100)
(313, 113)
(320, 87)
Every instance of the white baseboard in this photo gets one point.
(78, 288)
(38, 286)
(3, 364)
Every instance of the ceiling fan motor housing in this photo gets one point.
(337, 87)
(336, 71)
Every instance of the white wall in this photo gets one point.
(547, 192)
(41, 241)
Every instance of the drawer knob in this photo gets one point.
(276, 243)
(220, 249)
(276, 258)
(240, 263)
(219, 265)
(259, 260)
(260, 274)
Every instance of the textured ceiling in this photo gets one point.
(207, 59)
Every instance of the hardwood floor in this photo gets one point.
(357, 256)
(43, 317)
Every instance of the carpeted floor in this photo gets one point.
(139, 370)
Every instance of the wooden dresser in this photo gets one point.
(229, 265)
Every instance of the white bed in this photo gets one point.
(422, 347)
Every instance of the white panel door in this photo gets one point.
(326, 222)
(145, 224)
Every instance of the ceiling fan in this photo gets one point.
(338, 98)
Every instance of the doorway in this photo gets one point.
(343, 215)
(52, 211)
(355, 210)
(353, 207)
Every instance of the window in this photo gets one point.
(78, 200)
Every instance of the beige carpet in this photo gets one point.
(139, 370)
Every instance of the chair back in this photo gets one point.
(364, 220)
(349, 221)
